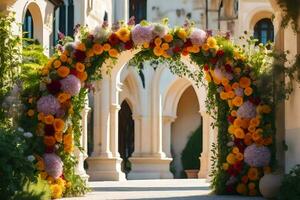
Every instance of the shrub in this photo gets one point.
(191, 152)
(290, 187)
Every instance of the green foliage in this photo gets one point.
(290, 186)
(291, 13)
(191, 152)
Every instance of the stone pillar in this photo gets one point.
(167, 122)
(204, 158)
(137, 135)
(82, 155)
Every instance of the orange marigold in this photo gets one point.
(239, 156)
(41, 116)
(241, 189)
(255, 121)
(158, 51)
(165, 46)
(58, 136)
(58, 124)
(63, 58)
(237, 101)
(49, 140)
(224, 95)
(245, 82)
(248, 91)
(56, 64)
(80, 67)
(146, 45)
(253, 174)
(231, 158)
(82, 76)
(113, 53)
(239, 133)
(106, 47)
(63, 97)
(251, 186)
(40, 165)
(63, 71)
(81, 47)
(235, 85)
(30, 112)
(157, 41)
(97, 49)
(49, 119)
(168, 38)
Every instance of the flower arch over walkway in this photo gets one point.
(244, 150)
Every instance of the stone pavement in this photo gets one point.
(173, 189)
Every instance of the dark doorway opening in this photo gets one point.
(126, 136)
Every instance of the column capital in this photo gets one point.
(114, 107)
(169, 118)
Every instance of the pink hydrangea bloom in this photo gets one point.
(53, 165)
(247, 110)
(48, 105)
(71, 84)
(198, 36)
(257, 156)
(142, 34)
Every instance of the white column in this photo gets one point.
(205, 155)
(168, 120)
(137, 135)
(114, 129)
(82, 155)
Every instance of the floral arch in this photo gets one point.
(244, 149)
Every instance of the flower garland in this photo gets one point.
(70, 72)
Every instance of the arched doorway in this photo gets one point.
(186, 127)
(126, 136)
(264, 31)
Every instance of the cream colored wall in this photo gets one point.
(188, 120)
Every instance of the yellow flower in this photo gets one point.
(211, 42)
(60, 182)
(182, 34)
(80, 67)
(207, 77)
(168, 38)
(113, 53)
(43, 175)
(231, 158)
(97, 49)
(30, 112)
(123, 34)
(231, 129)
(56, 191)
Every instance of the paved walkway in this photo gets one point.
(181, 189)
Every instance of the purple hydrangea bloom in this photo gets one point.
(257, 156)
(239, 92)
(53, 165)
(198, 36)
(247, 110)
(71, 84)
(48, 105)
(142, 34)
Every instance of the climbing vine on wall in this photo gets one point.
(291, 13)
(243, 113)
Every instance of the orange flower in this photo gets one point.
(58, 136)
(68, 139)
(251, 186)
(49, 119)
(266, 109)
(231, 129)
(43, 175)
(248, 139)
(238, 122)
(256, 136)
(166, 55)
(245, 82)
(41, 116)
(231, 158)
(235, 85)
(239, 133)
(241, 189)
(224, 81)
(146, 45)
(168, 38)
(237, 101)
(267, 170)
(235, 150)
(56, 64)
(90, 53)
(251, 128)
(113, 53)
(255, 121)
(245, 123)
(63, 58)
(58, 124)
(248, 91)
(185, 52)
(225, 166)
(30, 112)
(227, 87)
(245, 179)
(224, 95)
(239, 156)
(157, 41)
(63, 71)
(123, 34)
(158, 51)
(233, 113)
(63, 97)
(40, 165)
(79, 67)
(98, 49)
(268, 141)
(253, 174)
(165, 46)
(68, 148)
(81, 47)
(82, 76)
(49, 140)
(106, 47)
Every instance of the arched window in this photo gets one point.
(28, 25)
(264, 31)
(138, 9)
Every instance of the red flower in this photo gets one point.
(230, 119)
(232, 172)
(220, 53)
(49, 149)
(152, 45)
(54, 87)
(230, 189)
(228, 68)
(188, 43)
(240, 144)
(238, 166)
(255, 100)
(213, 60)
(113, 39)
(206, 67)
(74, 72)
(79, 55)
(176, 49)
(49, 130)
(129, 45)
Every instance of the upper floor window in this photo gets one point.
(28, 25)
(264, 31)
(138, 9)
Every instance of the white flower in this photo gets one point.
(31, 158)
(20, 129)
(27, 134)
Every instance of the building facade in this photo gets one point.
(137, 123)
